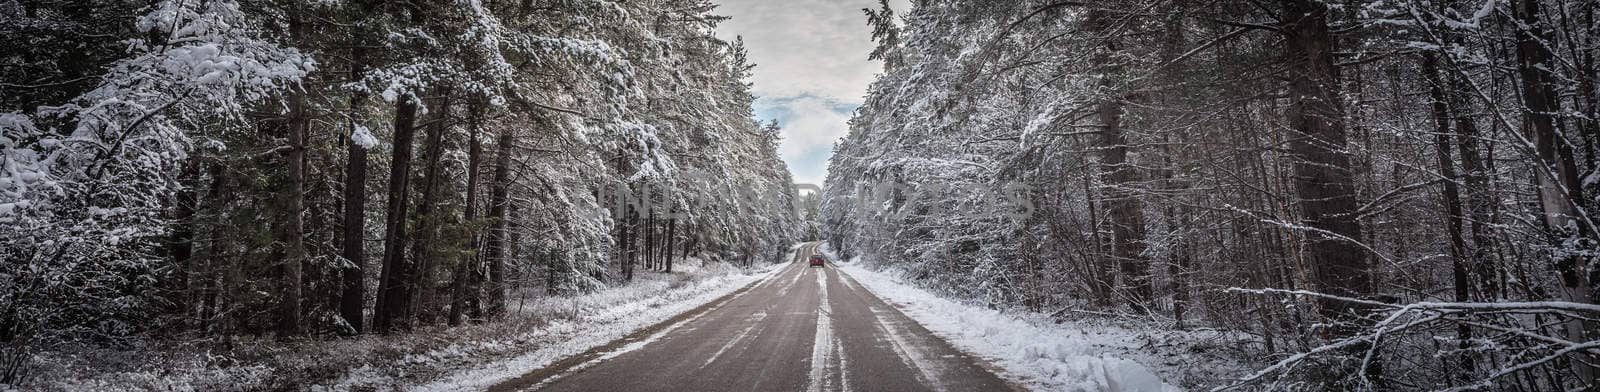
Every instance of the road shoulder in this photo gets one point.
(1040, 354)
(579, 338)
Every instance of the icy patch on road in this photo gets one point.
(753, 321)
(784, 291)
(1040, 355)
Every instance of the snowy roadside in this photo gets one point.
(605, 324)
(1039, 353)
(536, 332)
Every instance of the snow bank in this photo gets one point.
(536, 331)
(1037, 353)
(613, 315)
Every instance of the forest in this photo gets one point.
(375, 195)
(221, 170)
(1386, 195)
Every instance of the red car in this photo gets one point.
(818, 261)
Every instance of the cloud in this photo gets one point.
(805, 47)
(811, 69)
(809, 122)
(810, 126)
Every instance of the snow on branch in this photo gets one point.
(1506, 321)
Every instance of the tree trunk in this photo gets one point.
(1555, 169)
(427, 225)
(621, 221)
(210, 255)
(225, 267)
(293, 204)
(1174, 156)
(1127, 212)
(1559, 188)
(499, 204)
(394, 294)
(690, 243)
(627, 242)
(672, 232)
(1102, 282)
(1454, 88)
(1322, 171)
(1584, 96)
(1451, 195)
(353, 296)
(1181, 258)
(650, 240)
(180, 244)
(1178, 272)
(463, 287)
(1480, 204)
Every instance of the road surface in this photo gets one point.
(803, 329)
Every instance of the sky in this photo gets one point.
(811, 70)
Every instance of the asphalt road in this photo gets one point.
(803, 329)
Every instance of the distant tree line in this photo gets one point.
(1399, 191)
(214, 168)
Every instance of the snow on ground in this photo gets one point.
(1040, 353)
(537, 331)
(605, 320)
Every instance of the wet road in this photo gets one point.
(802, 329)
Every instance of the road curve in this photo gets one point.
(803, 329)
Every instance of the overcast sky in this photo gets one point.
(811, 70)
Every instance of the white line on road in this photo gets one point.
(822, 347)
